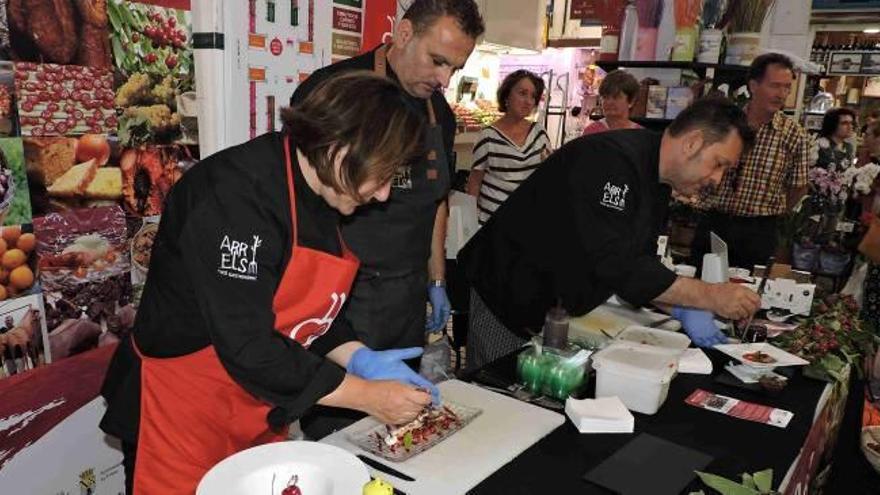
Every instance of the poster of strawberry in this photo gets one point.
(152, 51)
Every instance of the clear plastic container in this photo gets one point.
(639, 377)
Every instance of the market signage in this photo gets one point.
(351, 3)
(347, 20)
(582, 9)
(346, 45)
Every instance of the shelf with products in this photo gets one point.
(698, 67)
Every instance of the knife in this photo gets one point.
(378, 466)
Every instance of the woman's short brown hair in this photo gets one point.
(511, 80)
(361, 112)
(618, 81)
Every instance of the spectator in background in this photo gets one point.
(509, 150)
(836, 153)
(618, 93)
(771, 178)
(870, 150)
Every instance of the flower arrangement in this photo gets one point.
(832, 337)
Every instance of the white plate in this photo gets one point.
(321, 469)
(781, 358)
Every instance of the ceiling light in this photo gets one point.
(871, 30)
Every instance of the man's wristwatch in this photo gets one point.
(437, 283)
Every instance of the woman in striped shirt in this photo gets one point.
(509, 150)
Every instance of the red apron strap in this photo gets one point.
(290, 190)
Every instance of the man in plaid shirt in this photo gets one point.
(771, 177)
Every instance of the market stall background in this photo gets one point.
(99, 110)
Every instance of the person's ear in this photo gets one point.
(692, 142)
(404, 32)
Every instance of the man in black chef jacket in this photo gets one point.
(584, 226)
(401, 242)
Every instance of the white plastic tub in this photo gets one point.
(639, 377)
(674, 342)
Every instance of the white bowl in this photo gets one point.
(320, 470)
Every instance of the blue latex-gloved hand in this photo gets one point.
(388, 365)
(700, 326)
(440, 309)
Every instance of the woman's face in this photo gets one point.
(844, 127)
(616, 106)
(521, 101)
(371, 190)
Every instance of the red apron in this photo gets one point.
(193, 415)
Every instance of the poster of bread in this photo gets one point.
(68, 172)
(84, 265)
(69, 32)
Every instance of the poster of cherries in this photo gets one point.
(97, 111)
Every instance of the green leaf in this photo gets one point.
(724, 485)
(115, 19)
(764, 480)
(407, 440)
(748, 481)
(118, 51)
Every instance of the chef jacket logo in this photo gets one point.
(614, 197)
(87, 481)
(306, 331)
(402, 179)
(238, 259)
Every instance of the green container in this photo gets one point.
(550, 373)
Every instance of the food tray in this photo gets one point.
(372, 438)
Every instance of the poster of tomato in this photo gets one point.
(152, 51)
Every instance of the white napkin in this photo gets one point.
(694, 361)
(604, 415)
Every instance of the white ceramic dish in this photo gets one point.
(778, 356)
(320, 469)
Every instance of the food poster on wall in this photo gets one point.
(84, 268)
(23, 335)
(66, 32)
(72, 172)
(8, 108)
(142, 232)
(15, 201)
(152, 54)
(57, 100)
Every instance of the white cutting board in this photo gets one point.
(613, 319)
(506, 428)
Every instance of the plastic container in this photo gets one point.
(553, 373)
(638, 377)
(672, 343)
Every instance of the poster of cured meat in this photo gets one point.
(84, 265)
(67, 32)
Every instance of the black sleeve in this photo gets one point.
(447, 121)
(340, 333)
(606, 199)
(237, 305)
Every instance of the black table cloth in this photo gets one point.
(558, 462)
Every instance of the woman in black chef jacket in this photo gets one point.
(247, 275)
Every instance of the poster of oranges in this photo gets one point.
(17, 261)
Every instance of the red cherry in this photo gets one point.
(150, 58)
(171, 21)
(27, 106)
(171, 61)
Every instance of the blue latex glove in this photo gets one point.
(388, 365)
(440, 309)
(700, 326)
